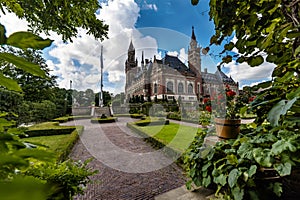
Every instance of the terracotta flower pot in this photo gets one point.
(227, 128)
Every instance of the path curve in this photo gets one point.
(113, 184)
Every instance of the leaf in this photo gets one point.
(233, 177)
(277, 189)
(255, 61)
(263, 157)
(206, 181)
(280, 109)
(229, 46)
(240, 59)
(23, 64)
(282, 145)
(26, 40)
(35, 153)
(2, 34)
(252, 170)
(293, 94)
(297, 51)
(221, 179)
(194, 2)
(238, 193)
(283, 169)
(10, 84)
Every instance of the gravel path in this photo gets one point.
(129, 168)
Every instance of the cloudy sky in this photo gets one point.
(156, 27)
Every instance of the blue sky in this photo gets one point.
(154, 26)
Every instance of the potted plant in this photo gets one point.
(225, 107)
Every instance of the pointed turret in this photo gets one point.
(131, 47)
(142, 62)
(193, 34)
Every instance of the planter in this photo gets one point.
(227, 128)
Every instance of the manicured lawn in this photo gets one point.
(175, 136)
(60, 145)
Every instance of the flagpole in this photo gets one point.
(101, 79)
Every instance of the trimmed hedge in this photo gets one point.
(178, 118)
(104, 120)
(148, 122)
(136, 116)
(71, 142)
(156, 143)
(48, 132)
(70, 118)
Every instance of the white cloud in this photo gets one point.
(12, 23)
(182, 55)
(242, 72)
(150, 7)
(80, 61)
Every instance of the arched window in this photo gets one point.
(180, 88)
(155, 88)
(169, 86)
(190, 88)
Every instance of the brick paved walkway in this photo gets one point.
(124, 162)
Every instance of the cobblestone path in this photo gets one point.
(123, 175)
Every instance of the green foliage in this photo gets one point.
(152, 122)
(17, 156)
(234, 167)
(104, 120)
(68, 177)
(61, 17)
(60, 145)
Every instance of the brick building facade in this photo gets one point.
(171, 78)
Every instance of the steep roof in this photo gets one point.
(223, 77)
(174, 63)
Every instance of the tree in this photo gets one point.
(64, 18)
(43, 15)
(265, 30)
(35, 88)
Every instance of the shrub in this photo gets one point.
(104, 120)
(68, 178)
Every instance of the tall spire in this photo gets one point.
(142, 57)
(193, 34)
(131, 47)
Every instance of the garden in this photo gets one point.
(261, 161)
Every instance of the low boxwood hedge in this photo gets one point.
(48, 132)
(70, 118)
(149, 122)
(47, 129)
(104, 120)
(155, 143)
(136, 116)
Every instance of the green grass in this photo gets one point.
(60, 145)
(176, 136)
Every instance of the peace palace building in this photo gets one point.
(171, 78)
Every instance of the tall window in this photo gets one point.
(190, 88)
(180, 88)
(155, 88)
(169, 86)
